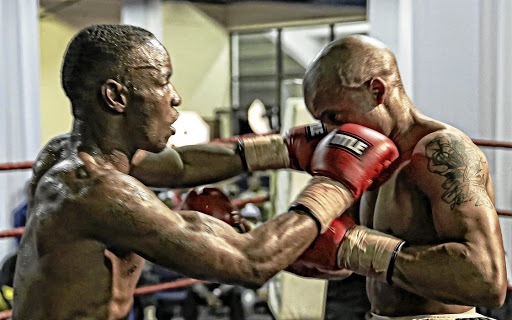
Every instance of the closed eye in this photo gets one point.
(167, 78)
(331, 117)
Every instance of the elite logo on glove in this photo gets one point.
(345, 156)
(353, 144)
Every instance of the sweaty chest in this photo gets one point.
(399, 208)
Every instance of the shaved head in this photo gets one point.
(349, 82)
(353, 60)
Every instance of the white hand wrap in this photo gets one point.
(326, 198)
(368, 252)
(266, 152)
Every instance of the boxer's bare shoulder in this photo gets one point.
(72, 184)
(448, 164)
(52, 153)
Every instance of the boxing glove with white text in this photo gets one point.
(353, 155)
(344, 165)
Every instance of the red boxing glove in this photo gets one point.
(322, 254)
(301, 143)
(353, 155)
(215, 203)
(347, 246)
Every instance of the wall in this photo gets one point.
(199, 49)
(56, 115)
(445, 59)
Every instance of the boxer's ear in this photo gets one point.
(113, 95)
(378, 88)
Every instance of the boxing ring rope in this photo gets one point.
(165, 286)
(16, 166)
(17, 232)
(238, 202)
(491, 143)
(243, 202)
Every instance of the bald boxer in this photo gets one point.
(429, 241)
(90, 221)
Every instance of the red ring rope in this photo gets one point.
(243, 202)
(16, 166)
(491, 143)
(166, 286)
(506, 213)
(17, 232)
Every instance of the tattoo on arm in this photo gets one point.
(450, 156)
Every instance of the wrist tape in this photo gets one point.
(265, 152)
(326, 200)
(369, 252)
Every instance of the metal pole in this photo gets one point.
(279, 76)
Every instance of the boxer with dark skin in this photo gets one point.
(439, 197)
(90, 221)
(173, 168)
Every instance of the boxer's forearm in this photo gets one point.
(276, 244)
(186, 166)
(214, 251)
(458, 273)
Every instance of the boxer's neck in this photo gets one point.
(405, 121)
(110, 147)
